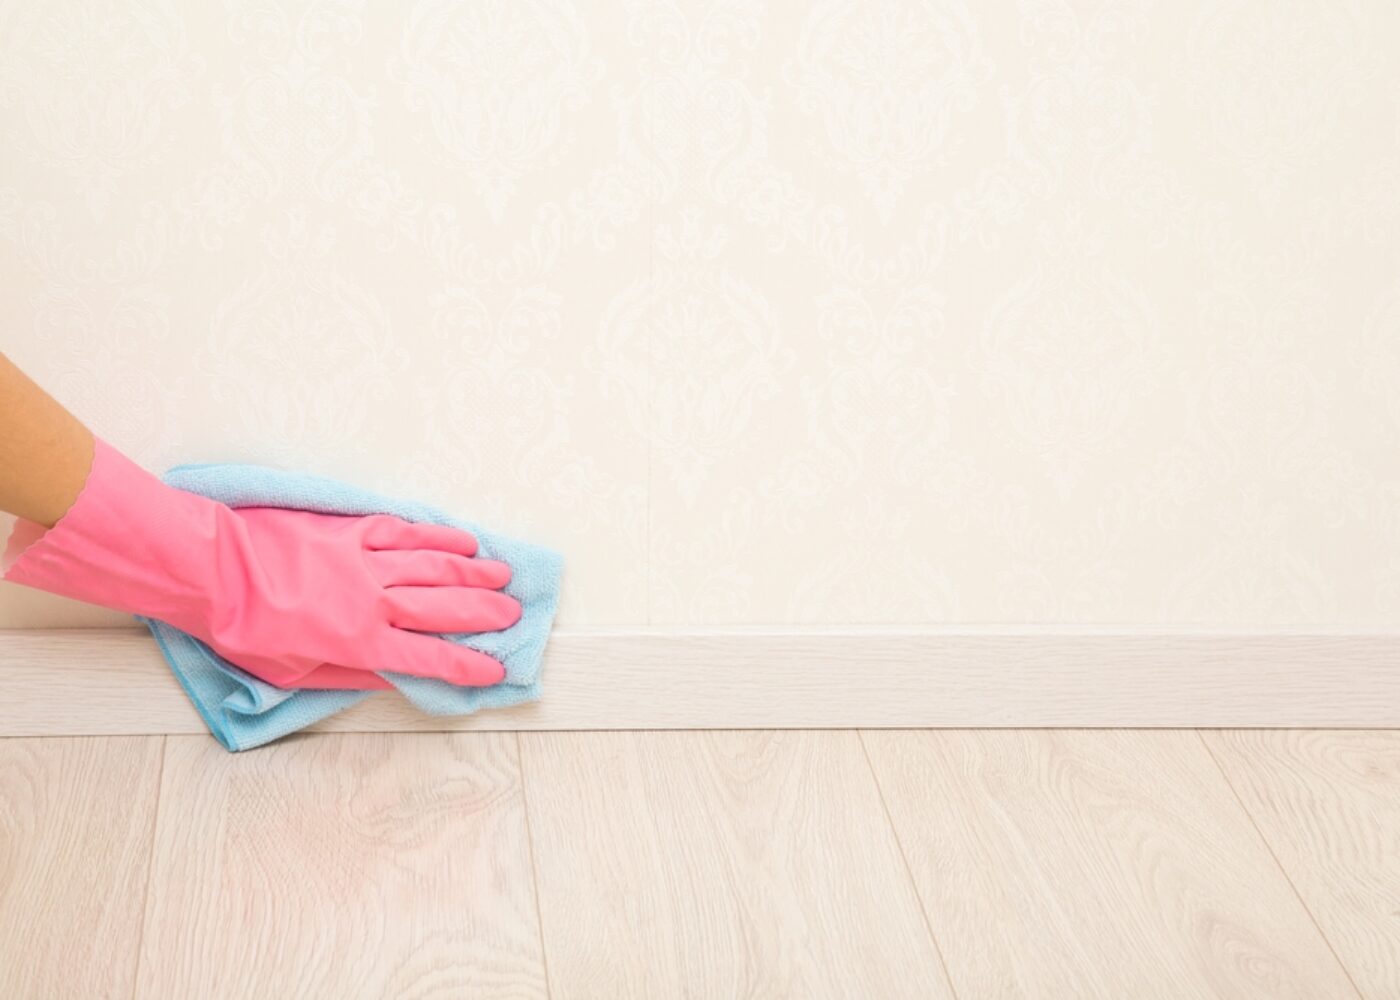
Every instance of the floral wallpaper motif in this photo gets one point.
(890, 312)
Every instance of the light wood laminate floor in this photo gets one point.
(705, 864)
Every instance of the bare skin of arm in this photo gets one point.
(45, 451)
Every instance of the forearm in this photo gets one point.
(45, 451)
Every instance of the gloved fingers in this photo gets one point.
(333, 677)
(388, 532)
(432, 656)
(451, 609)
(423, 567)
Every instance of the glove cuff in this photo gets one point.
(128, 542)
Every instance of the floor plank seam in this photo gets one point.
(534, 867)
(908, 869)
(1225, 776)
(150, 869)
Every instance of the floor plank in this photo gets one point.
(1095, 864)
(343, 866)
(1328, 803)
(718, 864)
(76, 820)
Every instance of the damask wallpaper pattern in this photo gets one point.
(813, 313)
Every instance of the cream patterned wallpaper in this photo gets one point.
(833, 312)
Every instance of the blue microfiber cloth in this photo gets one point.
(243, 711)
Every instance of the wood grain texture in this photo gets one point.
(113, 681)
(330, 866)
(720, 864)
(1328, 803)
(1103, 864)
(76, 821)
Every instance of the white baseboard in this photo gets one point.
(75, 682)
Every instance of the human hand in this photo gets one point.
(297, 598)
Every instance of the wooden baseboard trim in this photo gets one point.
(81, 682)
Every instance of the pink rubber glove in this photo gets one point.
(297, 598)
